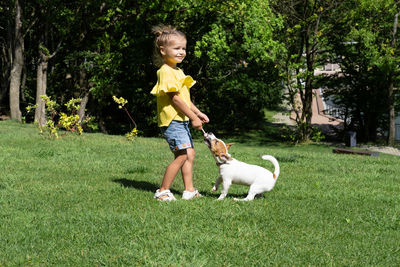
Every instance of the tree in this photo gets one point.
(13, 54)
(306, 42)
(74, 32)
(228, 65)
(17, 62)
(364, 44)
(49, 37)
(391, 100)
(41, 83)
(104, 48)
(5, 48)
(234, 60)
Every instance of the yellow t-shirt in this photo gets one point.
(171, 80)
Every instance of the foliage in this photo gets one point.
(5, 63)
(234, 60)
(112, 47)
(293, 135)
(362, 42)
(304, 33)
(245, 55)
(132, 134)
(88, 200)
(71, 122)
(50, 127)
(55, 120)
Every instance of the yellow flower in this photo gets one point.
(134, 133)
(121, 101)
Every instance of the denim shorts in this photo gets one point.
(178, 135)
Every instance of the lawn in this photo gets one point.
(88, 201)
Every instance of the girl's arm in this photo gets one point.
(203, 117)
(181, 105)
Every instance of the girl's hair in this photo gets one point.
(163, 35)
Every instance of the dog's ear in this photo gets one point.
(224, 157)
(229, 145)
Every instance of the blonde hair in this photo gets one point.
(163, 33)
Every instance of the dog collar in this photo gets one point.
(221, 161)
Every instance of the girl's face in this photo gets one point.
(175, 51)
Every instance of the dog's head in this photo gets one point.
(218, 148)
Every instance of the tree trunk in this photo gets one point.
(41, 82)
(307, 108)
(41, 87)
(5, 71)
(82, 107)
(23, 83)
(17, 64)
(307, 100)
(3, 91)
(83, 84)
(392, 118)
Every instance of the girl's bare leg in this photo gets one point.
(173, 169)
(187, 170)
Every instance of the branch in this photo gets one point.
(127, 112)
(30, 26)
(395, 23)
(57, 49)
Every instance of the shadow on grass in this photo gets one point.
(140, 185)
(230, 196)
(146, 186)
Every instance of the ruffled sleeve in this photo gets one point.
(170, 80)
(166, 82)
(188, 81)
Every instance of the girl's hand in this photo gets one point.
(203, 117)
(197, 124)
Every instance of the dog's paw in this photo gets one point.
(241, 199)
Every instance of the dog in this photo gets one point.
(233, 171)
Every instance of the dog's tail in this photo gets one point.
(275, 162)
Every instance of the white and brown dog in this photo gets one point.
(233, 171)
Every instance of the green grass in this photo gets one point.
(88, 200)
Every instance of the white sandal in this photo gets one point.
(190, 195)
(165, 195)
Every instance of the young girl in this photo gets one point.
(175, 109)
